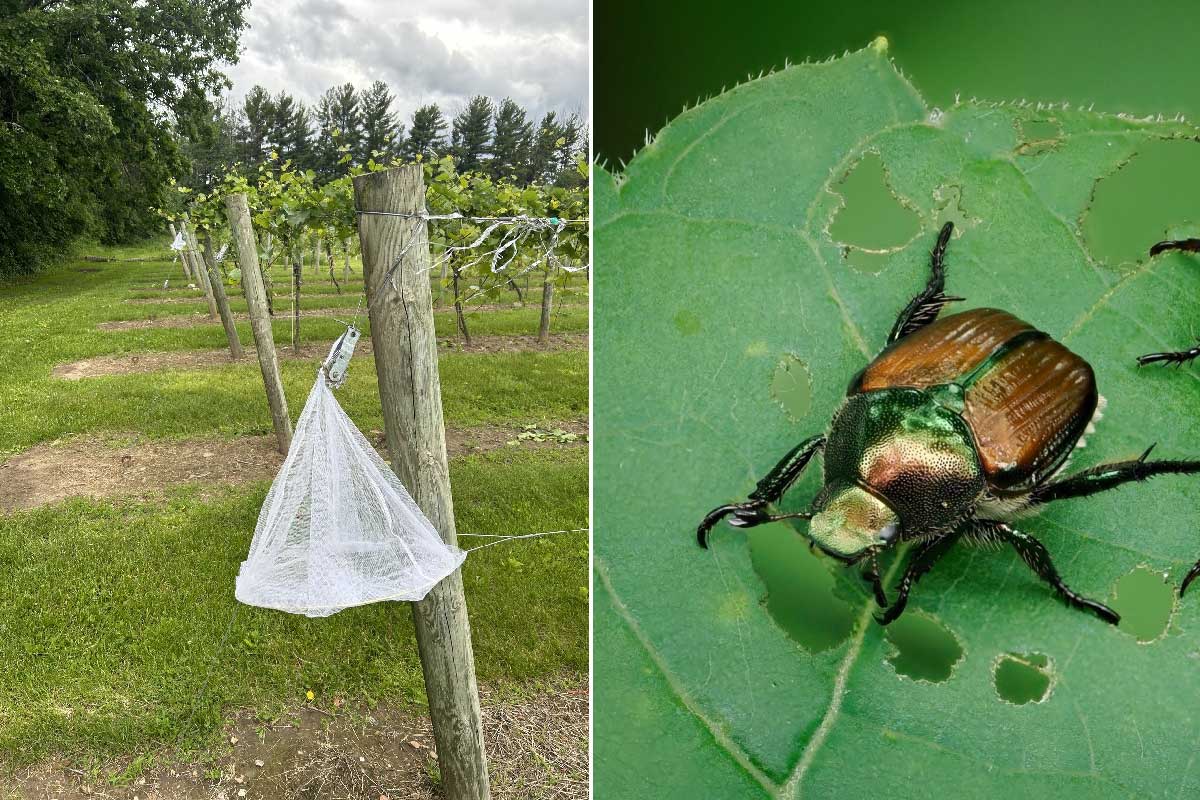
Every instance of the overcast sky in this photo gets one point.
(443, 51)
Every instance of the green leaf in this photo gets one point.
(719, 278)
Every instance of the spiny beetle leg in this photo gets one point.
(871, 576)
(1037, 558)
(1178, 358)
(1183, 245)
(928, 553)
(925, 307)
(1193, 573)
(768, 490)
(719, 513)
(1103, 477)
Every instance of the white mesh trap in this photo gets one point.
(337, 528)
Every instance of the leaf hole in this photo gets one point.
(1023, 678)
(1136, 205)
(791, 387)
(923, 648)
(1145, 602)
(1038, 136)
(800, 596)
(873, 220)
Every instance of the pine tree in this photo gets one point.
(543, 154)
(291, 131)
(569, 145)
(337, 110)
(258, 118)
(473, 134)
(427, 134)
(510, 142)
(381, 128)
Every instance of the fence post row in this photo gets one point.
(189, 241)
(405, 347)
(238, 211)
(217, 282)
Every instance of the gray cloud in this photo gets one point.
(535, 51)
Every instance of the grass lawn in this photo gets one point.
(115, 620)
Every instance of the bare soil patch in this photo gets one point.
(129, 467)
(155, 361)
(537, 748)
(199, 298)
(202, 318)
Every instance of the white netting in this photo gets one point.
(337, 528)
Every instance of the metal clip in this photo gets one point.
(339, 357)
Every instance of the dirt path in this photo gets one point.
(152, 361)
(537, 748)
(98, 468)
(201, 318)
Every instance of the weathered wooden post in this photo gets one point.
(547, 301)
(187, 267)
(297, 277)
(218, 287)
(238, 211)
(406, 362)
(198, 268)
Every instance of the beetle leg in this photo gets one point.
(1182, 356)
(871, 576)
(1178, 358)
(924, 308)
(1037, 558)
(927, 554)
(769, 489)
(1183, 245)
(1193, 573)
(1103, 477)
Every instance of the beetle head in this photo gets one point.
(852, 523)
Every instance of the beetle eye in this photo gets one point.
(888, 533)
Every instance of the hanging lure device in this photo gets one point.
(337, 528)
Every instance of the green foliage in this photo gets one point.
(85, 146)
(701, 689)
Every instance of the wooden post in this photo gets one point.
(198, 267)
(187, 267)
(218, 286)
(402, 335)
(238, 211)
(547, 303)
(297, 269)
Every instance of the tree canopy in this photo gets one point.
(93, 97)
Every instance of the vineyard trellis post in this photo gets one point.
(547, 301)
(238, 210)
(400, 306)
(217, 282)
(189, 243)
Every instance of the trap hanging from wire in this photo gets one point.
(337, 528)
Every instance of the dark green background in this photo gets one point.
(652, 57)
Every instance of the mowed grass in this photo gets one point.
(52, 319)
(115, 620)
(114, 614)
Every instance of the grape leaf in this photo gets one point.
(716, 266)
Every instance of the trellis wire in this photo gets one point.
(501, 538)
(524, 226)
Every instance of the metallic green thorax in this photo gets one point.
(888, 452)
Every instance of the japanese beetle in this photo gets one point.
(958, 426)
